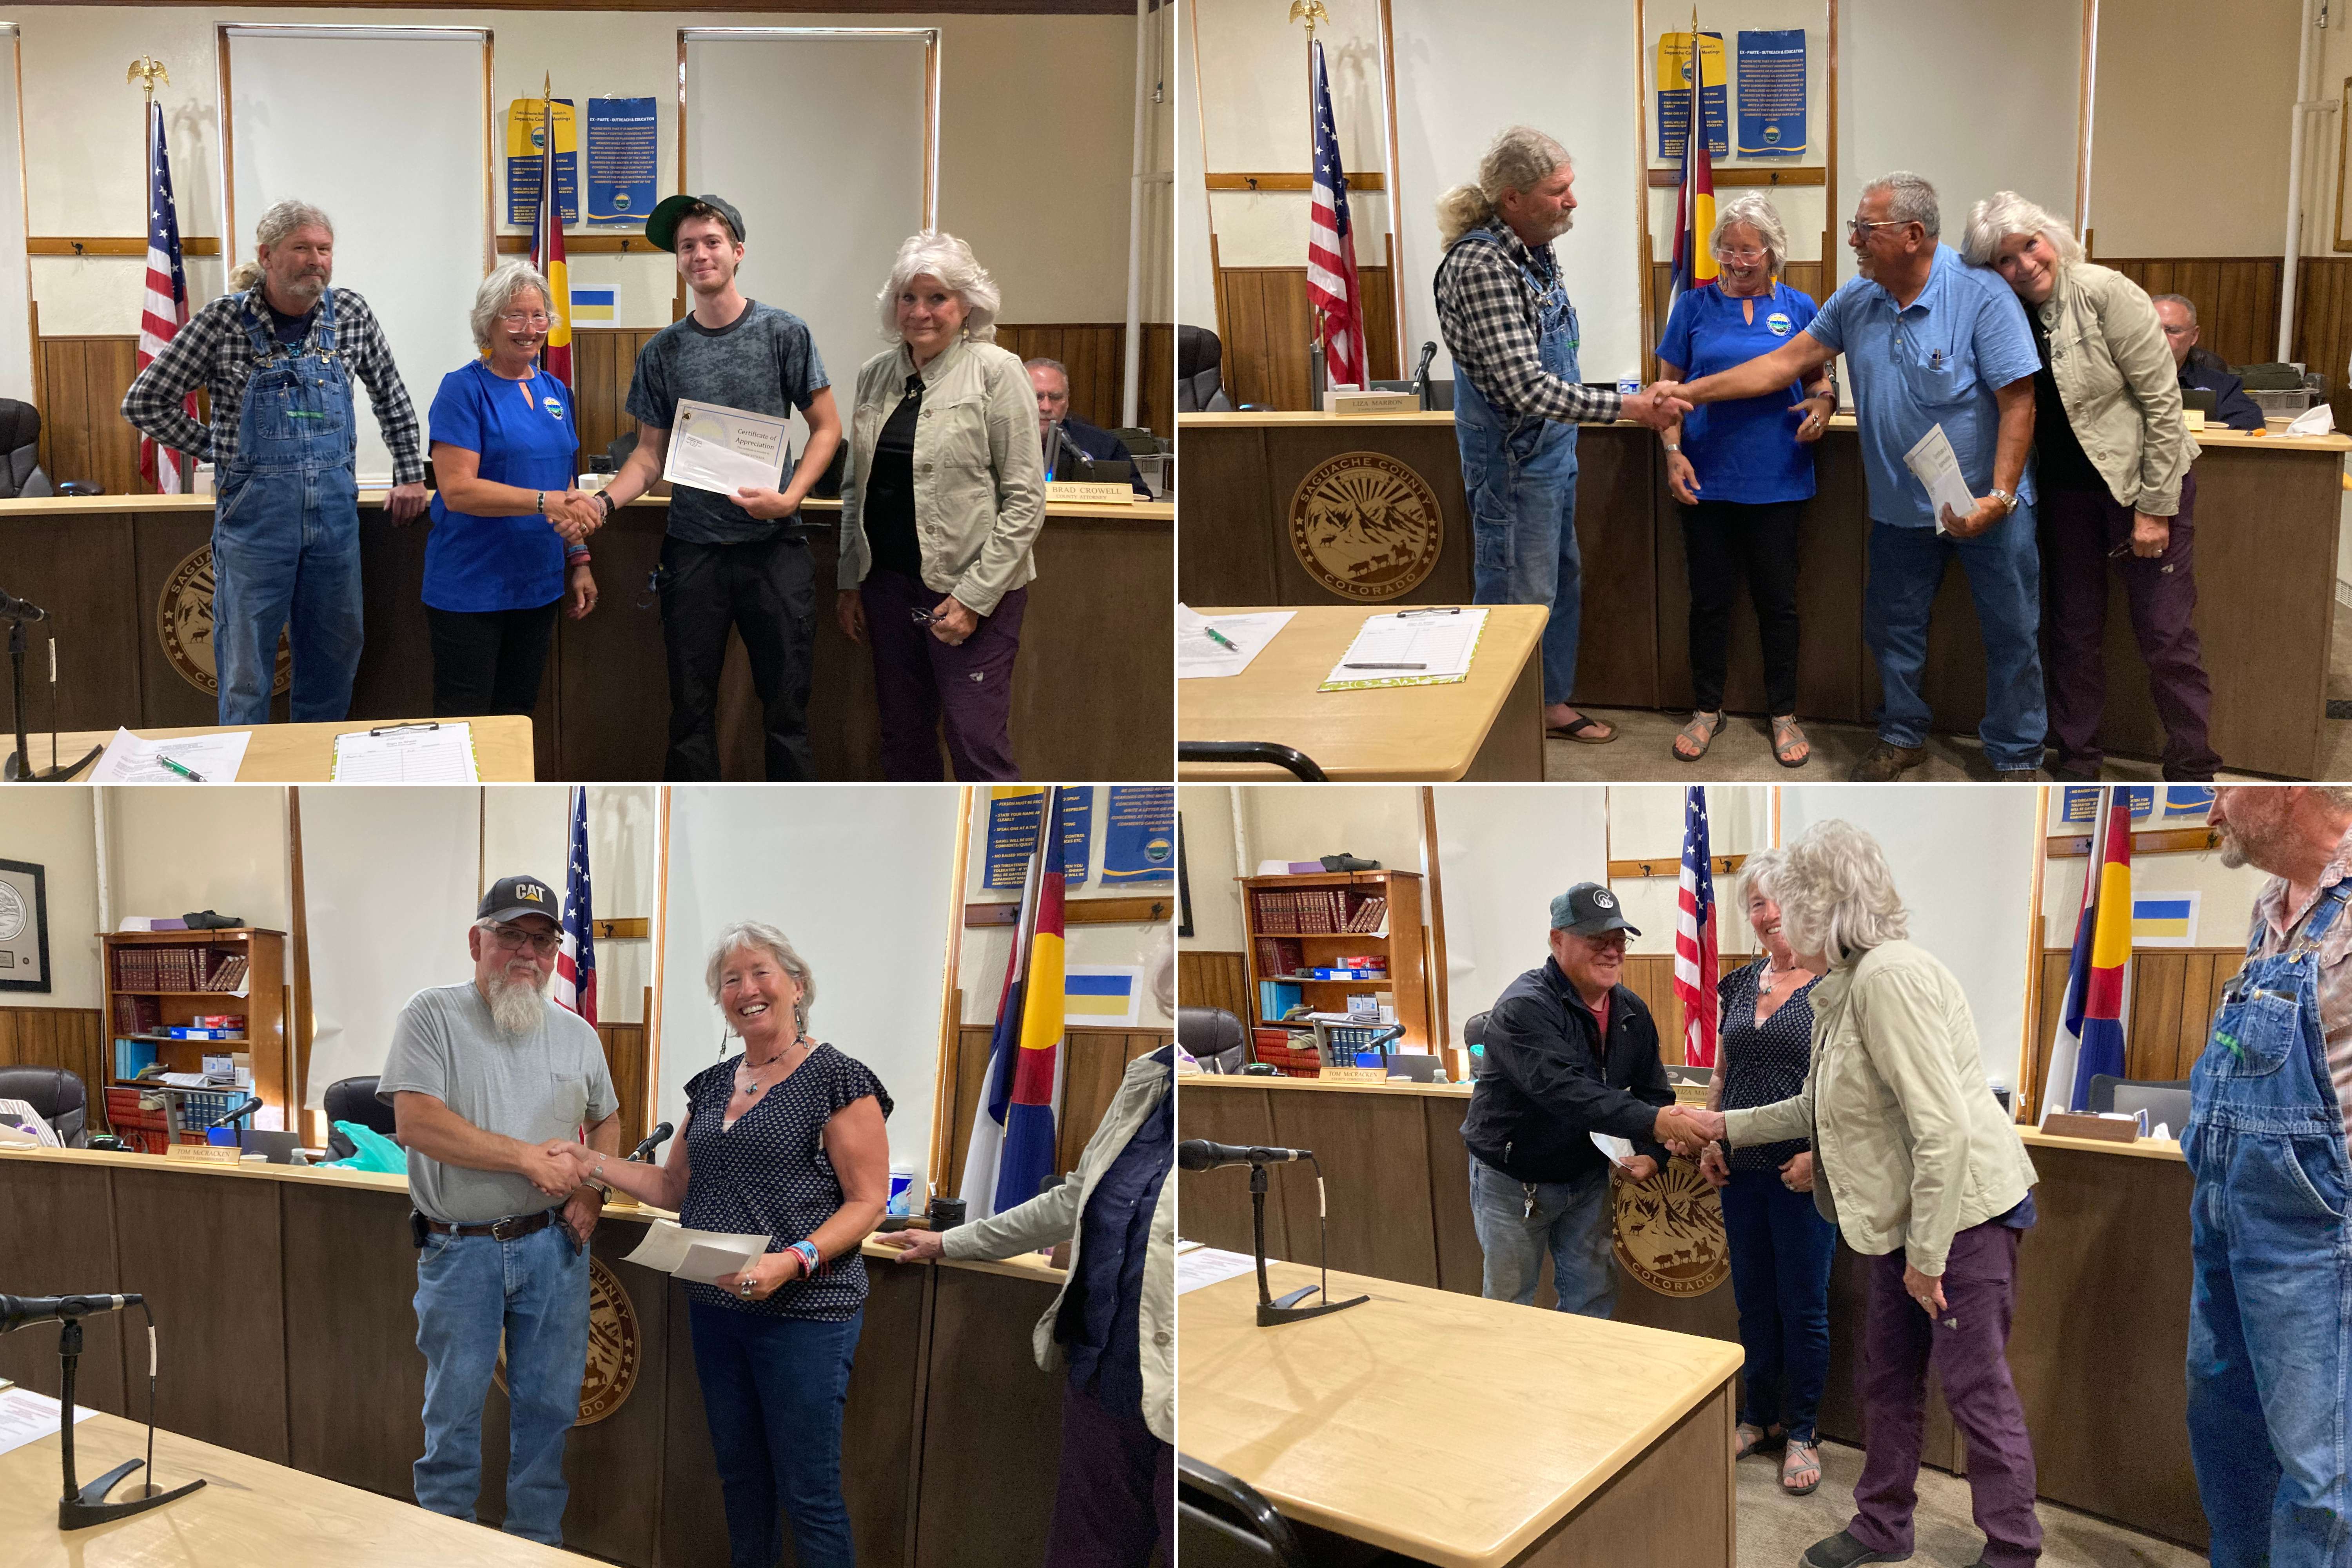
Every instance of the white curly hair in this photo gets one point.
(1836, 894)
(944, 257)
(2005, 213)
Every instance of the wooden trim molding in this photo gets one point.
(1078, 913)
(1740, 175)
(586, 245)
(1369, 179)
(2152, 841)
(1671, 866)
(622, 930)
(64, 245)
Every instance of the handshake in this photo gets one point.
(1688, 1130)
(575, 515)
(559, 1165)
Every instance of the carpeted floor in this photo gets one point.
(1775, 1529)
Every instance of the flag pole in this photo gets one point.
(1312, 12)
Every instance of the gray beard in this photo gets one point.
(516, 1006)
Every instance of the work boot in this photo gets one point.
(1885, 762)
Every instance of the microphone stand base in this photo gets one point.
(89, 1506)
(17, 772)
(1285, 1309)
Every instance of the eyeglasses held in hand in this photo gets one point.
(513, 939)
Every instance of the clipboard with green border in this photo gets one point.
(1475, 638)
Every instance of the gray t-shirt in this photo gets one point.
(546, 1084)
(763, 361)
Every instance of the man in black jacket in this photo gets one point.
(1569, 1052)
(2202, 369)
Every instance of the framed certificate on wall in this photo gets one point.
(24, 927)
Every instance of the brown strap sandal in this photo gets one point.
(1789, 747)
(1693, 739)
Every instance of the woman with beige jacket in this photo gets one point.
(941, 499)
(2112, 460)
(1924, 1175)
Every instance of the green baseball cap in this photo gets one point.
(661, 224)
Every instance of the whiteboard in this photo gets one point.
(821, 139)
(412, 232)
(859, 878)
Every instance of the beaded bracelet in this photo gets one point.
(811, 1259)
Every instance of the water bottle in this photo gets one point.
(902, 1182)
(1627, 385)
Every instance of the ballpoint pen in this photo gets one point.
(188, 773)
(1384, 666)
(1220, 638)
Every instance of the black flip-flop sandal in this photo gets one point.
(1578, 730)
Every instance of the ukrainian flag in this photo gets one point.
(1097, 995)
(2161, 918)
(593, 305)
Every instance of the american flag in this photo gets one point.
(1695, 966)
(166, 311)
(575, 966)
(1331, 282)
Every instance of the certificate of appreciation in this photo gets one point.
(725, 449)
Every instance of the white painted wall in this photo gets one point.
(1963, 859)
(172, 850)
(1645, 822)
(2225, 902)
(1507, 850)
(1205, 812)
(527, 831)
(55, 829)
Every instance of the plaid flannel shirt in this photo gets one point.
(214, 351)
(1487, 313)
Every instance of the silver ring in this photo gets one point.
(747, 1289)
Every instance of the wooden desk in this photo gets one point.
(1487, 727)
(283, 1295)
(2267, 519)
(1463, 1432)
(1090, 690)
(302, 753)
(2102, 1323)
(249, 1511)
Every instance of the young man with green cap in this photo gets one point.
(735, 562)
(1570, 1051)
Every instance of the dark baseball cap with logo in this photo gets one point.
(661, 224)
(1589, 908)
(511, 898)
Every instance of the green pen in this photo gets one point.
(1220, 638)
(188, 773)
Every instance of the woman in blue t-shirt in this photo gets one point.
(1751, 460)
(507, 525)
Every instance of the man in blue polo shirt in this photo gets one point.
(1930, 341)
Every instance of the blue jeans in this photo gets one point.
(1523, 538)
(1780, 1253)
(1571, 1218)
(468, 1290)
(773, 1390)
(286, 547)
(2004, 569)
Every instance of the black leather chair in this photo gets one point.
(1215, 1038)
(353, 1099)
(1272, 752)
(1199, 381)
(20, 451)
(56, 1094)
(1223, 1522)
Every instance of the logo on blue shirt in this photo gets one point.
(554, 406)
(1779, 323)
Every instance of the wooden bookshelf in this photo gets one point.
(260, 997)
(1268, 909)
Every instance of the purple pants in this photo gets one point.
(917, 679)
(1116, 1498)
(2081, 530)
(1968, 1344)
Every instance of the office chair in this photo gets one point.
(1222, 1521)
(2103, 1087)
(1300, 764)
(20, 451)
(1216, 1039)
(1200, 384)
(353, 1099)
(56, 1095)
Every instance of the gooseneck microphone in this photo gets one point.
(252, 1104)
(1062, 439)
(16, 1311)
(1200, 1155)
(12, 609)
(1421, 372)
(654, 1140)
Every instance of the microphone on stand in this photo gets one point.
(1420, 373)
(12, 609)
(17, 1311)
(252, 1104)
(80, 1506)
(654, 1140)
(1200, 1155)
(1063, 443)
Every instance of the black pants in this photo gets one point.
(767, 592)
(488, 661)
(1725, 544)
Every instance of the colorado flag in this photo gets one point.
(2091, 1031)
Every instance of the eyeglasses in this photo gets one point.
(1856, 228)
(513, 939)
(519, 319)
(1743, 256)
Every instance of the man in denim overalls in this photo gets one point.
(2270, 1327)
(277, 361)
(1503, 309)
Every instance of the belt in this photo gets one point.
(512, 1228)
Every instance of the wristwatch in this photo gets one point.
(2007, 501)
(1673, 446)
(605, 501)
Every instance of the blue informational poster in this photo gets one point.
(1675, 74)
(621, 147)
(1014, 814)
(2190, 801)
(2079, 805)
(1140, 837)
(1077, 833)
(1772, 93)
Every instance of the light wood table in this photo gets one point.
(1487, 727)
(1464, 1432)
(302, 754)
(249, 1511)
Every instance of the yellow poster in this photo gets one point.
(526, 130)
(1675, 93)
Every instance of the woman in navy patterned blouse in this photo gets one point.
(787, 1140)
(1781, 1246)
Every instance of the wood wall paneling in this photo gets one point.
(356, 1414)
(74, 1038)
(2171, 995)
(991, 1426)
(1089, 1080)
(1214, 1205)
(58, 1238)
(2323, 327)
(1096, 355)
(1269, 324)
(1206, 979)
(625, 1053)
(2236, 297)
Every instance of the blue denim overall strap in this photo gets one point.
(286, 526)
(2270, 1332)
(1519, 472)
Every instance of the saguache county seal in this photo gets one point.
(1365, 526)
(1670, 1232)
(615, 1347)
(184, 620)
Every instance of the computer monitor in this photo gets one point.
(279, 1146)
